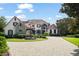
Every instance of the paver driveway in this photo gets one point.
(54, 46)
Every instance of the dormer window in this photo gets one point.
(15, 18)
(38, 25)
(32, 25)
(20, 24)
(15, 23)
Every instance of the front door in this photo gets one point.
(10, 33)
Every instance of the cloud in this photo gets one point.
(18, 11)
(9, 17)
(49, 18)
(21, 16)
(25, 6)
(58, 16)
(1, 8)
(31, 10)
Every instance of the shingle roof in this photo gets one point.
(36, 21)
(32, 21)
(53, 26)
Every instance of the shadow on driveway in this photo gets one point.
(76, 52)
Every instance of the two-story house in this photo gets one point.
(34, 26)
(16, 26)
(37, 26)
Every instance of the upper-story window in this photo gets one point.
(15, 18)
(15, 23)
(20, 24)
(38, 25)
(44, 26)
(32, 25)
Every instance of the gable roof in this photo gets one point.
(36, 21)
(12, 19)
(32, 21)
(53, 26)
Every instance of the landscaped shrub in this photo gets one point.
(20, 35)
(77, 35)
(70, 35)
(7, 36)
(39, 36)
(3, 46)
(73, 35)
(32, 35)
(42, 36)
(35, 35)
(45, 34)
(1, 34)
(51, 34)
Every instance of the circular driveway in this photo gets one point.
(54, 46)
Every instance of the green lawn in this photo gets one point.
(23, 40)
(74, 41)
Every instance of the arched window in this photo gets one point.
(54, 31)
(15, 23)
(44, 26)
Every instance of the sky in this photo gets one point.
(27, 11)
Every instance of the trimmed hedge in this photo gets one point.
(20, 35)
(77, 35)
(73, 35)
(45, 34)
(32, 35)
(70, 35)
(3, 46)
(39, 36)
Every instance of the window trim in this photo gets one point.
(15, 23)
